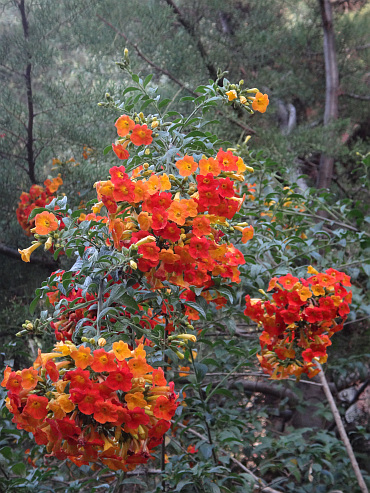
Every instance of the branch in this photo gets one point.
(342, 431)
(264, 489)
(189, 27)
(355, 96)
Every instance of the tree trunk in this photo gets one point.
(332, 85)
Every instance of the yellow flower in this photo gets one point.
(26, 253)
(243, 99)
(231, 95)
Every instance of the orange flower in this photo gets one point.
(141, 135)
(82, 357)
(135, 400)
(105, 412)
(29, 378)
(145, 221)
(45, 223)
(164, 181)
(103, 361)
(124, 125)
(201, 226)
(139, 367)
(231, 95)
(177, 212)
(140, 191)
(247, 234)
(260, 102)
(186, 165)
(209, 165)
(184, 371)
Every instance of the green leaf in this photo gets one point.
(136, 78)
(148, 78)
(164, 102)
(196, 307)
(130, 89)
(107, 149)
(19, 469)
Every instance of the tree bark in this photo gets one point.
(28, 79)
(332, 85)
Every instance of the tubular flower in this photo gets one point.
(26, 253)
(299, 321)
(135, 411)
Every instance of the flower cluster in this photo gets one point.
(38, 196)
(179, 224)
(107, 406)
(299, 321)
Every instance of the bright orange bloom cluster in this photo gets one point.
(299, 321)
(180, 235)
(102, 406)
(38, 196)
(130, 133)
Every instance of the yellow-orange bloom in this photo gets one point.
(231, 95)
(121, 350)
(186, 165)
(26, 253)
(260, 102)
(82, 357)
(45, 223)
(135, 400)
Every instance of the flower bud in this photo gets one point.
(102, 342)
(133, 265)
(147, 152)
(84, 339)
(254, 90)
(141, 115)
(155, 124)
(147, 239)
(48, 244)
(146, 165)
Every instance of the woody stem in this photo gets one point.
(100, 306)
(163, 445)
(342, 431)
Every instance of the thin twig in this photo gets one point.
(342, 431)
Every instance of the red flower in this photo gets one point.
(135, 418)
(198, 247)
(226, 187)
(164, 408)
(120, 151)
(36, 406)
(288, 281)
(170, 232)
(159, 218)
(118, 174)
(124, 191)
(80, 379)
(227, 160)
(120, 380)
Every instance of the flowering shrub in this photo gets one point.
(299, 321)
(162, 246)
(110, 406)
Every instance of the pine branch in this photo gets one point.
(169, 75)
(190, 29)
